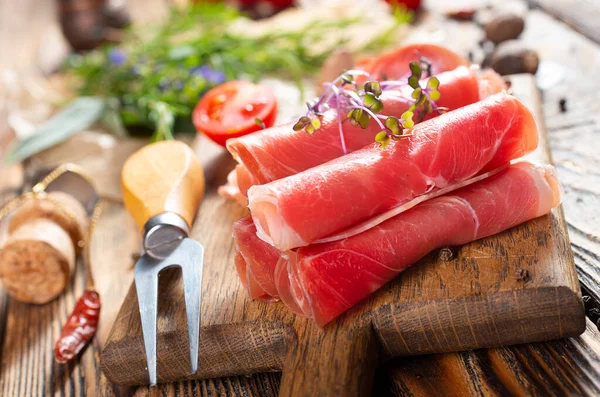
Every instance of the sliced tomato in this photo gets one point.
(231, 109)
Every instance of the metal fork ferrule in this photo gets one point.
(163, 232)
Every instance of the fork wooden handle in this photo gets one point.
(162, 177)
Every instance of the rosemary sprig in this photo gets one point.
(362, 104)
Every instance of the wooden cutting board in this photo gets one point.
(473, 300)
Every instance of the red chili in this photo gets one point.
(80, 327)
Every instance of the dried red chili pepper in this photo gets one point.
(80, 327)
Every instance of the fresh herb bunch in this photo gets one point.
(156, 81)
(360, 104)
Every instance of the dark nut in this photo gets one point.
(513, 57)
(504, 27)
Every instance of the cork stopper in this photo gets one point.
(38, 258)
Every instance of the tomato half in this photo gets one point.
(231, 109)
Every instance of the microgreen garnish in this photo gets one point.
(360, 104)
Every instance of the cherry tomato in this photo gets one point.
(231, 109)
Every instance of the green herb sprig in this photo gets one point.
(158, 75)
(360, 105)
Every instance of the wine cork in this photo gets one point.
(60, 208)
(37, 261)
(38, 258)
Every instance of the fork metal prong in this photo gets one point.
(146, 283)
(191, 269)
(189, 256)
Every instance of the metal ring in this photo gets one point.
(163, 232)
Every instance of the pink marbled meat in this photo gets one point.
(325, 200)
(277, 152)
(322, 281)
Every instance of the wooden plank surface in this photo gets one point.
(581, 15)
(575, 151)
(558, 368)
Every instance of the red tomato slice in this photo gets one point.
(231, 109)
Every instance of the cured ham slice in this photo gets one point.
(277, 152)
(247, 279)
(444, 151)
(322, 281)
(239, 181)
(255, 261)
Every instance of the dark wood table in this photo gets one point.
(30, 43)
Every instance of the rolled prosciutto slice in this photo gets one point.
(277, 152)
(255, 261)
(239, 181)
(322, 281)
(442, 152)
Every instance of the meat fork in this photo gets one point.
(163, 184)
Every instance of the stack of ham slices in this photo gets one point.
(328, 229)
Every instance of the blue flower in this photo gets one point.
(164, 84)
(178, 85)
(209, 74)
(117, 56)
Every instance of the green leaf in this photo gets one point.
(416, 93)
(377, 106)
(364, 120)
(181, 52)
(369, 99)
(372, 102)
(111, 118)
(347, 78)
(415, 69)
(163, 116)
(301, 123)
(413, 81)
(408, 115)
(373, 87)
(393, 124)
(383, 138)
(433, 83)
(355, 115)
(77, 116)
